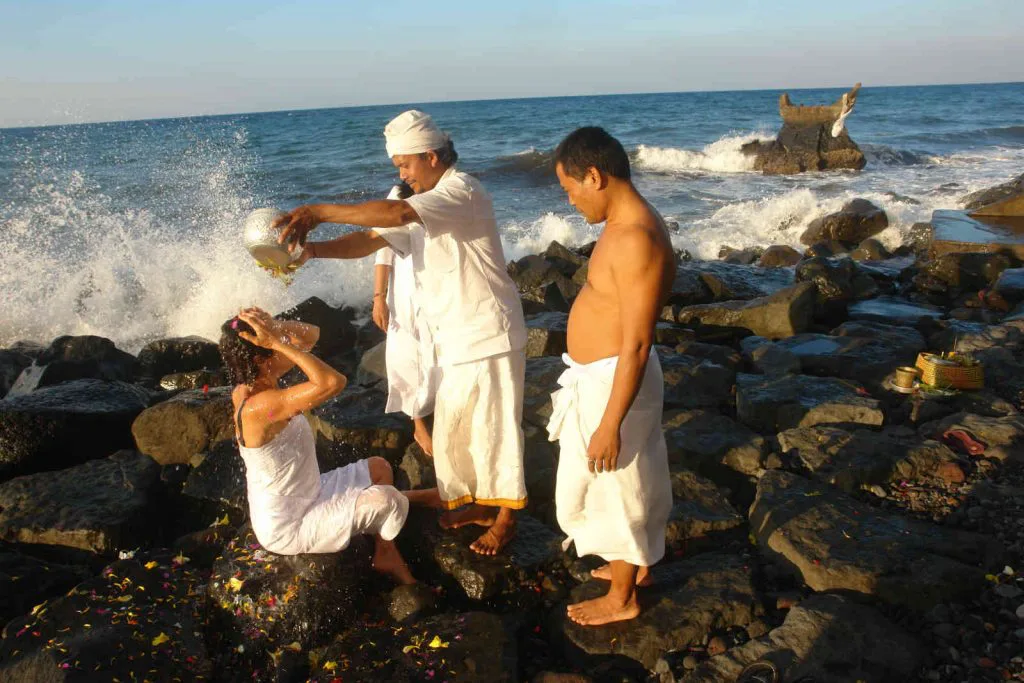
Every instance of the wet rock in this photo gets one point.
(962, 271)
(782, 314)
(11, 365)
(743, 257)
(772, 404)
(836, 543)
(704, 441)
(411, 601)
(688, 599)
(474, 647)
(196, 379)
(26, 581)
(858, 220)
(870, 250)
(354, 426)
(179, 354)
(779, 256)
(541, 380)
(219, 477)
(416, 471)
(893, 310)
(545, 334)
(189, 423)
(541, 282)
(1010, 285)
(820, 637)
(204, 546)
(694, 382)
(373, 369)
(1003, 437)
(261, 603)
(834, 285)
(699, 282)
(859, 459)
(141, 618)
(70, 358)
(826, 249)
(337, 333)
(99, 506)
(991, 195)
(700, 510)
(564, 259)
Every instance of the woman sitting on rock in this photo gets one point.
(292, 506)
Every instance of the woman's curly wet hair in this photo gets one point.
(240, 356)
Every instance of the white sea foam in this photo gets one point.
(521, 239)
(721, 156)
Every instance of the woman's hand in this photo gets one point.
(263, 335)
(381, 313)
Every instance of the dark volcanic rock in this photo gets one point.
(962, 272)
(893, 310)
(262, 603)
(767, 358)
(771, 404)
(11, 365)
(779, 256)
(354, 426)
(1003, 437)
(870, 250)
(541, 380)
(220, 477)
(705, 441)
(1010, 285)
(700, 509)
(836, 543)
(180, 354)
(545, 334)
(139, 620)
(834, 282)
(991, 195)
(805, 146)
(743, 257)
(726, 356)
(543, 283)
(688, 599)
(782, 314)
(858, 220)
(337, 333)
(70, 358)
(700, 282)
(99, 506)
(26, 581)
(189, 423)
(694, 382)
(66, 425)
(828, 639)
(195, 379)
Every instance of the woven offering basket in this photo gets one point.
(945, 373)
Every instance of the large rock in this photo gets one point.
(1003, 437)
(65, 425)
(70, 358)
(688, 599)
(26, 581)
(836, 543)
(858, 459)
(545, 334)
(779, 256)
(700, 510)
(693, 382)
(219, 478)
(858, 220)
(12, 363)
(805, 146)
(705, 442)
(543, 284)
(827, 639)
(541, 381)
(337, 333)
(1010, 285)
(263, 605)
(838, 282)
(894, 310)
(962, 272)
(701, 282)
(191, 422)
(175, 355)
(870, 250)
(373, 367)
(772, 404)
(787, 312)
(354, 426)
(99, 506)
(142, 619)
(976, 202)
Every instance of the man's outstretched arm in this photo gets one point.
(380, 213)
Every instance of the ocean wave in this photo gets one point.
(532, 164)
(721, 156)
(883, 155)
(519, 239)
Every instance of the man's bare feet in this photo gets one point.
(480, 515)
(604, 610)
(422, 436)
(426, 497)
(387, 560)
(495, 538)
(604, 572)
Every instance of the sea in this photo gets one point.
(132, 230)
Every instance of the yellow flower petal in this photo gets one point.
(437, 642)
(235, 584)
(330, 666)
(150, 565)
(160, 639)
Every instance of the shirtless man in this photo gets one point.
(613, 492)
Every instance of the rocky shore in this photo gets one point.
(823, 522)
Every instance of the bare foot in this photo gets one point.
(494, 539)
(604, 572)
(422, 437)
(426, 497)
(471, 514)
(387, 560)
(603, 610)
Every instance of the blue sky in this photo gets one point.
(98, 60)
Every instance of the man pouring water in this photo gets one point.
(472, 308)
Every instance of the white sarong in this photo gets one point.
(478, 435)
(619, 515)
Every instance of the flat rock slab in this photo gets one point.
(1003, 437)
(143, 618)
(189, 423)
(827, 638)
(1010, 285)
(836, 543)
(694, 382)
(67, 424)
(264, 602)
(772, 404)
(355, 422)
(787, 312)
(99, 506)
(853, 460)
(475, 646)
(893, 310)
(701, 440)
(26, 581)
(956, 232)
(700, 509)
(689, 598)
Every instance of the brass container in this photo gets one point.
(261, 239)
(905, 377)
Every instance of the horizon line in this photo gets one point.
(497, 99)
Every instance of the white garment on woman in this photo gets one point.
(295, 509)
(622, 514)
(409, 355)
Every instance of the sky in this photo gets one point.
(75, 61)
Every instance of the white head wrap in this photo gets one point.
(413, 132)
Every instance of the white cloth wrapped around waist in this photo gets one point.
(618, 515)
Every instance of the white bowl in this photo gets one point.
(261, 239)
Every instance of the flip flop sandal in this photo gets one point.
(759, 672)
(960, 440)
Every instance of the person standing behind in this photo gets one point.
(412, 371)
(474, 313)
(613, 493)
